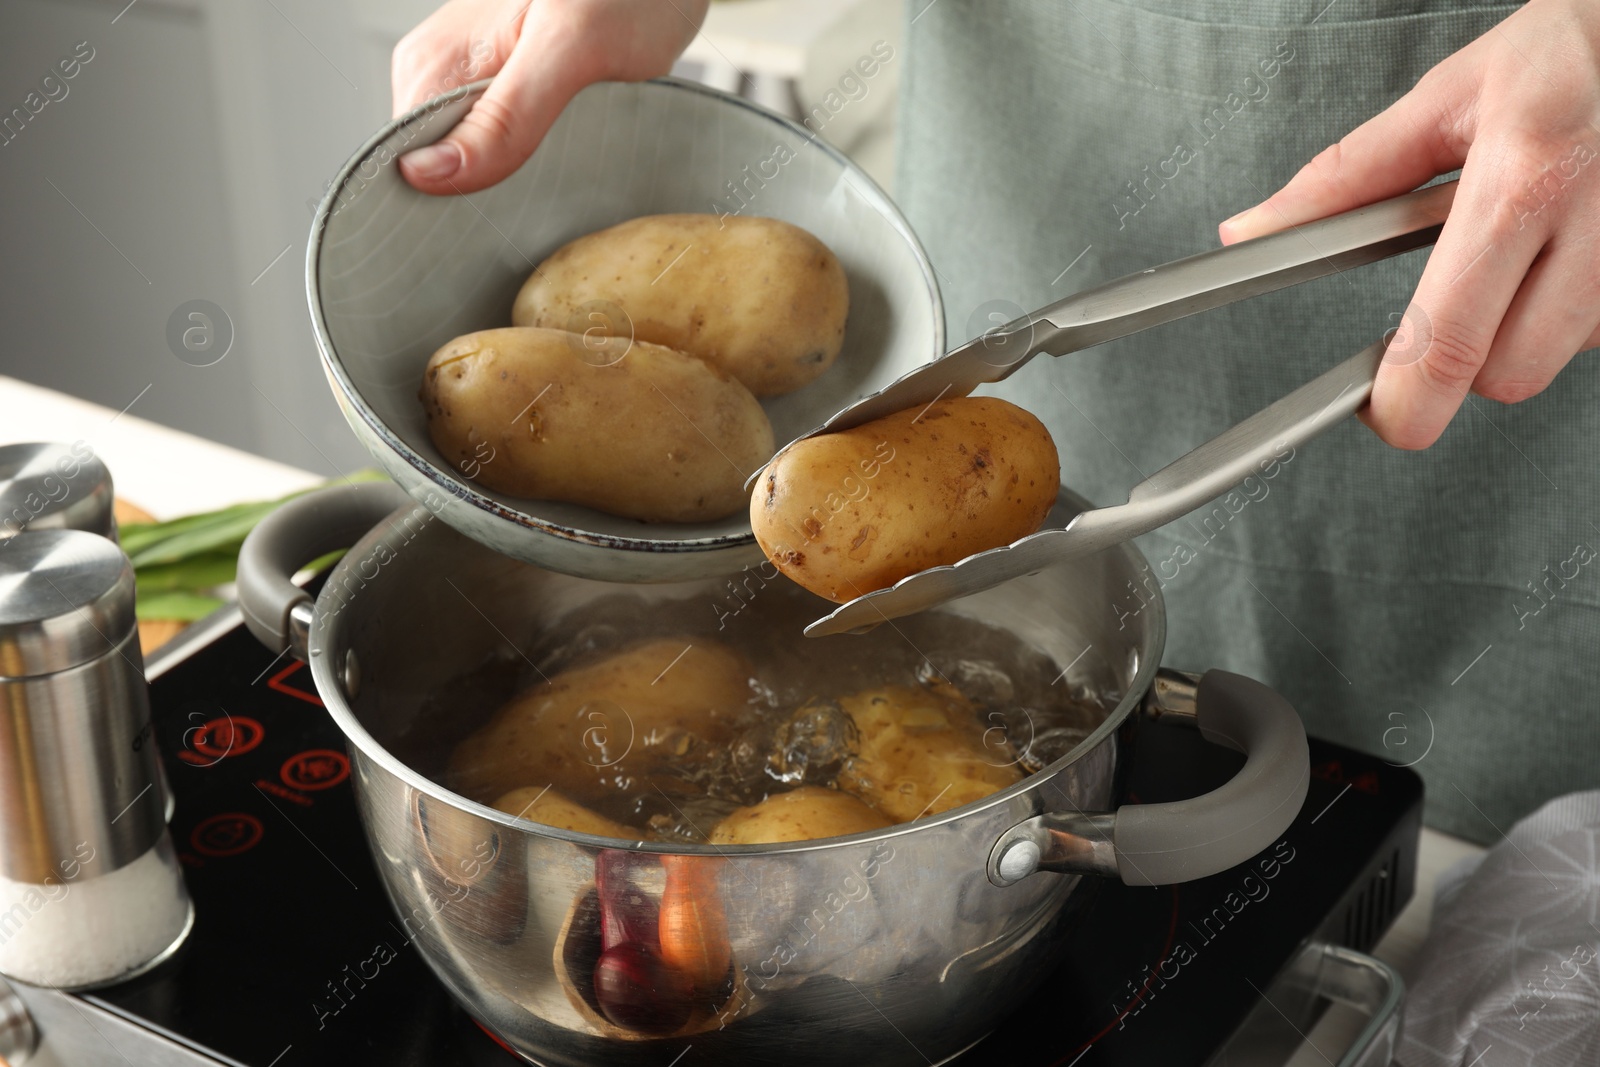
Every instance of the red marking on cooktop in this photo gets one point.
(227, 833)
(277, 682)
(228, 736)
(315, 768)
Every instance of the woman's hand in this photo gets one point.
(1512, 289)
(541, 53)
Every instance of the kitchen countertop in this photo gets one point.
(171, 473)
(166, 472)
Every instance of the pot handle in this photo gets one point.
(292, 536)
(1160, 844)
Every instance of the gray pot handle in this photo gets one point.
(294, 535)
(1160, 844)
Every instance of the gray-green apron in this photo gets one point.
(1440, 608)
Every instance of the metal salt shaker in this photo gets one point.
(45, 486)
(90, 887)
(54, 487)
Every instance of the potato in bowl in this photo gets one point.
(758, 298)
(632, 429)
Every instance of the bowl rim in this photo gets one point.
(466, 493)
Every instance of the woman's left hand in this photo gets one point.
(1512, 289)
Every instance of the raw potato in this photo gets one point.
(639, 431)
(597, 729)
(543, 805)
(761, 299)
(802, 814)
(922, 751)
(845, 513)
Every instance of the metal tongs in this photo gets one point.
(1126, 306)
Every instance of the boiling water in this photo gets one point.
(790, 732)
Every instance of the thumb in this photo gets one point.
(503, 128)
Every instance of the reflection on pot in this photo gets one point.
(638, 968)
(465, 854)
(693, 927)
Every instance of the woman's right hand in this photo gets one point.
(541, 53)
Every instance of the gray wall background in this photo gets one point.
(178, 167)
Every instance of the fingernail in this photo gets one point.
(1247, 211)
(433, 162)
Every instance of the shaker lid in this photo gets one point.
(54, 487)
(66, 597)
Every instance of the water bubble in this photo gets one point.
(690, 818)
(811, 745)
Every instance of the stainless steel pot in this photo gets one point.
(903, 946)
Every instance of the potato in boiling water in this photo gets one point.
(635, 430)
(600, 728)
(542, 804)
(761, 299)
(803, 814)
(923, 750)
(846, 513)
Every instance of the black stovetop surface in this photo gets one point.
(287, 900)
